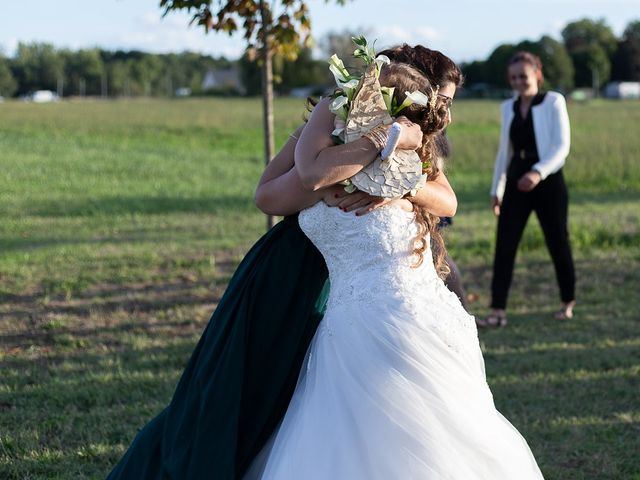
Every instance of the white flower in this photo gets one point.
(350, 88)
(337, 75)
(337, 103)
(350, 188)
(418, 97)
(339, 106)
(337, 132)
(340, 73)
(387, 95)
(412, 97)
(382, 60)
(339, 126)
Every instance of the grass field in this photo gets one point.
(121, 222)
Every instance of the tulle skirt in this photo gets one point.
(387, 393)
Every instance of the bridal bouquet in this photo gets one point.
(360, 105)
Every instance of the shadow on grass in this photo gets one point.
(569, 387)
(145, 205)
(579, 452)
(119, 362)
(156, 232)
(623, 196)
(149, 304)
(472, 199)
(475, 197)
(156, 237)
(72, 465)
(136, 297)
(152, 298)
(603, 288)
(133, 384)
(567, 397)
(524, 365)
(69, 335)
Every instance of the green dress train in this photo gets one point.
(238, 382)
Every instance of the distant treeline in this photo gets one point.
(40, 66)
(589, 55)
(97, 72)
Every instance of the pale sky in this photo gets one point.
(463, 29)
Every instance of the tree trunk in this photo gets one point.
(267, 92)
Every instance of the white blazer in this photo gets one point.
(553, 139)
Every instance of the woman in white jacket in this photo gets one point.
(534, 143)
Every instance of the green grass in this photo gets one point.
(120, 223)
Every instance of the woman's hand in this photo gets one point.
(410, 134)
(529, 181)
(363, 203)
(348, 202)
(496, 203)
(333, 195)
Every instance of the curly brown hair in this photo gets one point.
(439, 69)
(425, 70)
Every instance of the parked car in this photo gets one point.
(623, 90)
(41, 96)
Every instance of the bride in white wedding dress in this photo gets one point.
(393, 386)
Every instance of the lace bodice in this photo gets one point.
(370, 260)
(369, 251)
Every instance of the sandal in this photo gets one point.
(493, 320)
(565, 312)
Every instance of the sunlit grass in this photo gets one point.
(120, 223)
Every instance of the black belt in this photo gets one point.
(525, 154)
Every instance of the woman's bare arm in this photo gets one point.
(320, 163)
(283, 161)
(437, 197)
(280, 190)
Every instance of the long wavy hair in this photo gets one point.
(439, 69)
(423, 69)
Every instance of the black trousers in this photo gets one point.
(550, 201)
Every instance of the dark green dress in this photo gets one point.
(241, 376)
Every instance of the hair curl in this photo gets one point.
(423, 69)
(438, 68)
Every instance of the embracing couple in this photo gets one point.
(337, 352)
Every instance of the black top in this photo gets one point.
(523, 139)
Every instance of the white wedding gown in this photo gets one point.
(393, 387)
